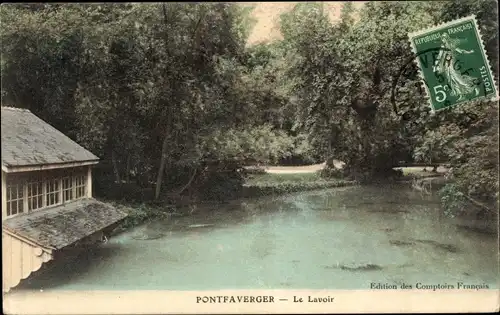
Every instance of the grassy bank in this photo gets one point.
(255, 185)
(269, 184)
(139, 213)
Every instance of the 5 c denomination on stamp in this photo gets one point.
(458, 70)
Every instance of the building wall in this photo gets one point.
(21, 257)
(19, 260)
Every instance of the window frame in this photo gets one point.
(35, 181)
(67, 190)
(19, 200)
(49, 192)
(80, 182)
(55, 185)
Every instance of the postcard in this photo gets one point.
(250, 157)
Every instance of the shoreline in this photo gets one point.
(280, 181)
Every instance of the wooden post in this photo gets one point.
(43, 178)
(89, 181)
(60, 192)
(24, 186)
(73, 185)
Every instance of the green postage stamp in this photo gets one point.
(453, 63)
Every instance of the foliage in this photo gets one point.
(250, 145)
(360, 100)
(141, 213)
(345, 105)
(172, 89)
(474, 153)
(453, 200)
(280, 178)
(275, 184)
(149, 88)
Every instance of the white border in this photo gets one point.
(188, 302)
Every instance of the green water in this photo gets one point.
(341, 238)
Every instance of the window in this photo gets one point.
(37, 190)
(15, 200)
(67, 187)
(52, 192)
(35, 195)
(80, 184)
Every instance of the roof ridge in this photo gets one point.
(16, 109)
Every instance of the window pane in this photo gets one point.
(34, 195)
(80, 186)
(66, 183)
(14, 199)
(52, 192)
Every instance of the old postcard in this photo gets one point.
(255, 157)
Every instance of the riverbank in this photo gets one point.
(256, 185)
(278, 181)
(263, 181)
(288, 182)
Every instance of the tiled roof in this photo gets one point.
(64, 225)
(28, 140)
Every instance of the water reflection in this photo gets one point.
(332, 239)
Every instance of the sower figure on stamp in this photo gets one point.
(460, 84)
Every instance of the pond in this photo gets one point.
(343, 238)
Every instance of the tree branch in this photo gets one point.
(479, 204)
(189, 182)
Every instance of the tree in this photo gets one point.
(345, 75)
(144, 86)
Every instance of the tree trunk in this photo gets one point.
(115, 168)
(127, 174)
(164, 147)
(189, 182)
(163, 162)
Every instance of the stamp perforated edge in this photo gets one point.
(443, 25)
